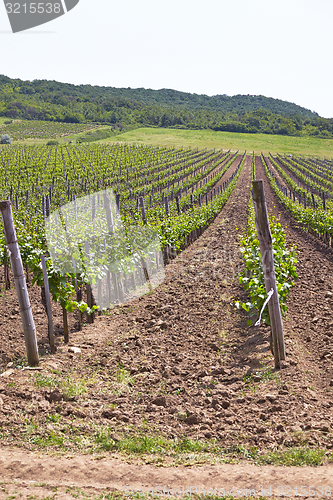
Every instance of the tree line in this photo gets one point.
(125, 109)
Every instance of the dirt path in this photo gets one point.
(277, 173)
(172, 364)
(227, 174)
(61, 478)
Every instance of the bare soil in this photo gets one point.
(177, 363)
(24, 475)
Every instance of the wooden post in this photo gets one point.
(107, 290)
(99, 296)
(93, 207)
(48, 305)
(313, 201)
(65, 324)
(108, 212)
(266, 250)
(146, 275)
(118, 202)
(166, 203)
(79, 298)
(90, 299)
(115, 285)
(120, 288)
(143, 211)
(178, 205)
(28, 323)
(90, 302)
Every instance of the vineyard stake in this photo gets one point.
(266, 250)
(28, 323)
(79, 299)
(108, 212)
(48, 305)
(65, 324)
(90, 302)
(143, 211)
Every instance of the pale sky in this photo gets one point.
(280, 48)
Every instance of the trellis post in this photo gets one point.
(266, 250)
(28, 323)
(48, 305)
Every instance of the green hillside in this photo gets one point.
(128, 109)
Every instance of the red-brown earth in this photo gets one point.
(180, 362)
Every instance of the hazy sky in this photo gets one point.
(277, 48)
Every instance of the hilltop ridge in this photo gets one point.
(127, 108)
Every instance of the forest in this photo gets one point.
(126, 109)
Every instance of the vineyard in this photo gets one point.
(178, 193)
(19, 130)
(182, 365)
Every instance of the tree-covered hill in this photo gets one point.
(125, 108)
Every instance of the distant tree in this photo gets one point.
(27, 89)
(5, 139)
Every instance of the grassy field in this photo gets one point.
(3, 119)
(309, 146)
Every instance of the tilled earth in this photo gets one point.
(181, 362)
